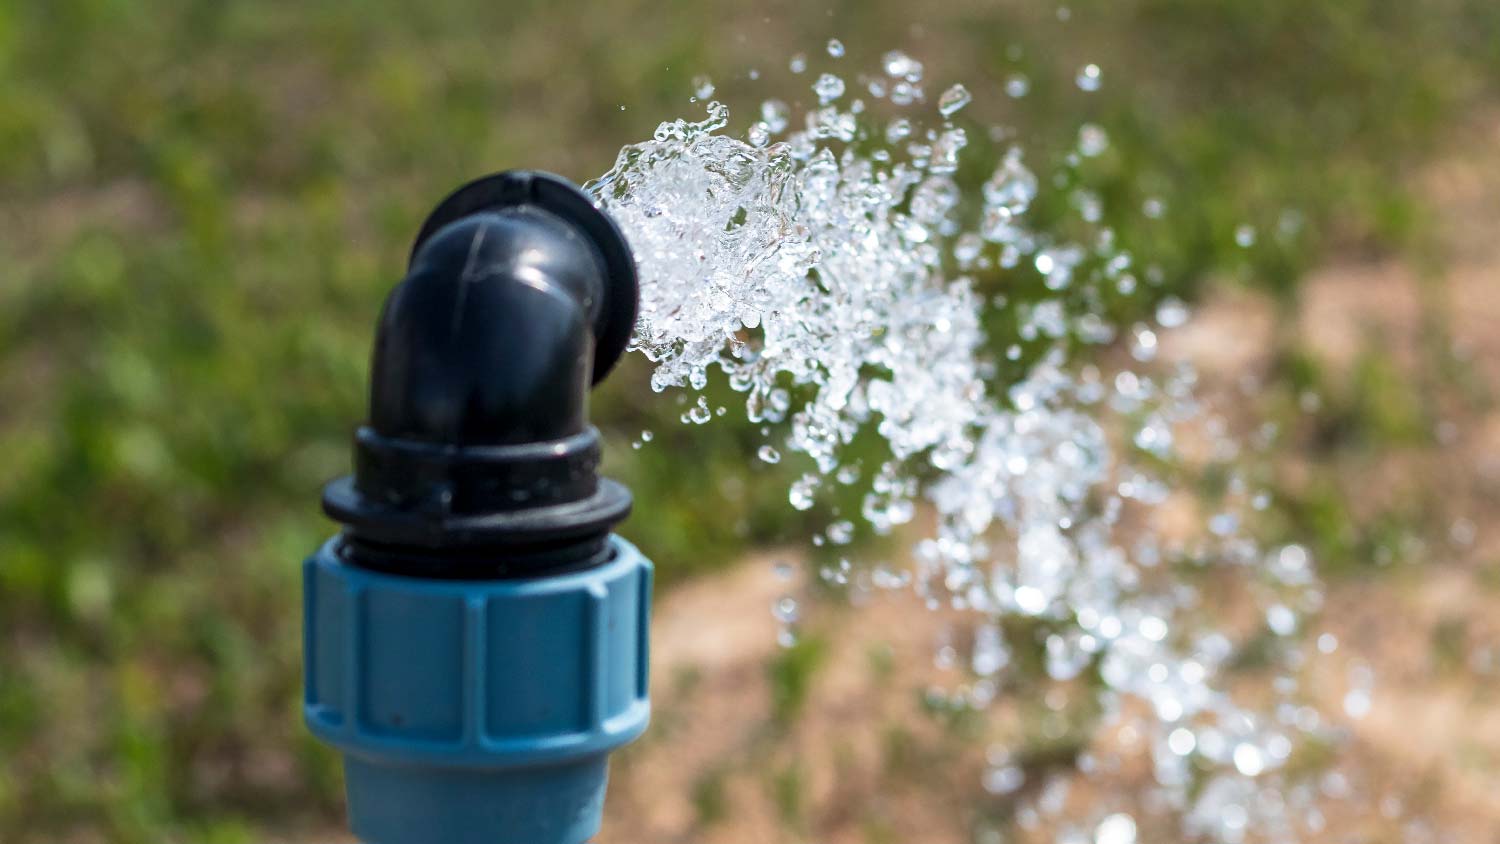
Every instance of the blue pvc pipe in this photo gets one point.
(477, 711)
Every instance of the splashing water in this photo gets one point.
(827, 266)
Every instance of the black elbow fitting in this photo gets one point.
(478, 460)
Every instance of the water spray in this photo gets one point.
(476, 636)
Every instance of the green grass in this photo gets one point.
(792, 672)
(204, 203)
(710, 800)
(788, 789)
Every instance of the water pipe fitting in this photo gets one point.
(476, 637)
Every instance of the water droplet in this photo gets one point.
(899, 65)
(967, 248)
(1007, 195)
(897, 130)
(945, 150)
(1357, 703)
(1143, 344)
(1171, 313)
(1089, 78)
(1154, 629)
(953, 100)
(786, 610)
(828, 88)
(841, 532)
(905, 93)
(1224, 524)
(801, 493)
(1182, 741)
(1248, 759)
(1115, 829)
(1005, 780)
(1031, 600)
(835, 48)
(1092, 140)
(798, 63)
(700, 414)
(703, 87)
(769, 454)
(1281, 619)
(1017, 86)
(775, 114)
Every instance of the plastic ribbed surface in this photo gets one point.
(462, 704)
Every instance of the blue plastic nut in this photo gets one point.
(477, 712)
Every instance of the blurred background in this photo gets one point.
(203, 204)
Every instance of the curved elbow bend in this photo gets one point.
(519, 296)
(489, 339)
